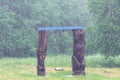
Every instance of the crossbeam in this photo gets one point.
(60, 28)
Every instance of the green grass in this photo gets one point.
(25, 69)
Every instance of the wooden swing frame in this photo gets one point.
(78, 60)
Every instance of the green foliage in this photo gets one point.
(60, 13)
(111, 62)
(19, 19)
(15, 31)
(104, 34)
(60, 42)
(100, 61)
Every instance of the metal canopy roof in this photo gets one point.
(60, 28)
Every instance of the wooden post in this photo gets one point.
(41, 52)
(78, 60)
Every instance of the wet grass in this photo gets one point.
(25, 69)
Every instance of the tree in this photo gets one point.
(57, 13)
(17, 37)
(104, 33)
(19, 19)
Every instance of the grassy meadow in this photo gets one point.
(25, 69)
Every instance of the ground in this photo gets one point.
(25, 69)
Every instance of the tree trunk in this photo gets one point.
(41, 52)
(78, 60)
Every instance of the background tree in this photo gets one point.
(17, 36)
(20, 18)
(104, 34)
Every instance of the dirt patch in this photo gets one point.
(107, 72)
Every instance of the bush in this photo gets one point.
(101, 61)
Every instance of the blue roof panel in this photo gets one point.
(60, 28)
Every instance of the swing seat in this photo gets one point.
(59, 69)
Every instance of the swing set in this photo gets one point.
(78, 60)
